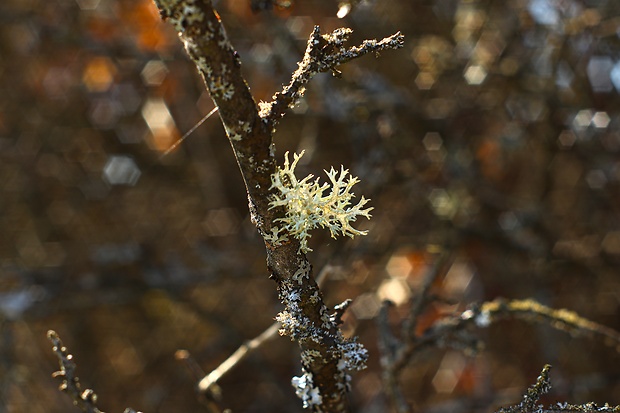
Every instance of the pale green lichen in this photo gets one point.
(311, 204)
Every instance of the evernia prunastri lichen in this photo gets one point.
(311, 204)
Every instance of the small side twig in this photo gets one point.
(324, 53)
(208, 383)
(529, 403)
(391, 348)
(210, 380)
(84, 399)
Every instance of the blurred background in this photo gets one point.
(494, 133)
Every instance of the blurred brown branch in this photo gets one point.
(455, 331)
(84, 399)
(207, 382)
(529, 404)
(391, 347)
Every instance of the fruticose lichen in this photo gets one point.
(311, 204)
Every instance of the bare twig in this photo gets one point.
(530, 310)
(391, 349)
(212, 397)
(446, 332)
(84, 399)
(529, 404)
(211, 379)
(323, 53)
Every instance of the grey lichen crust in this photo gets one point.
(350, 354)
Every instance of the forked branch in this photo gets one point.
(326, 354)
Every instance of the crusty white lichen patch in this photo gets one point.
(306, 390)
(233, 134)
(294, 323)
(348, 353)
(311, 204)
(181, 13)
(218, 83)
(184, 14)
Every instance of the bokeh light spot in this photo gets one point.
(154, 73)
(160, 122)
(475, 75)
(567, 138)
(88, 4)
(596, 179)
(432, 141)
(600, 120)
(394, 289)
(599, 73)
(221, 222)
(398, 266)
(121, 170)
(366, 306)
(449, 372)
(424, 80)
(98, 74)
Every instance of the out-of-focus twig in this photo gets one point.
(391, 349)
(422, 297)
(208, 383)
(84, 399)
(388, 346)
(529, 403)
(246, 348)
(455, 330)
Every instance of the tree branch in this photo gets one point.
(326, 354)
(455, 331)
